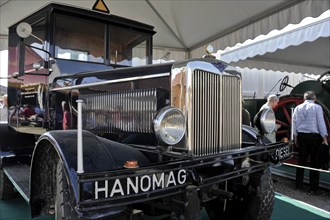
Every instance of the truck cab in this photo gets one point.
(67, 40)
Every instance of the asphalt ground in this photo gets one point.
(286, 187)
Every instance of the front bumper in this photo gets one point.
(114, 190)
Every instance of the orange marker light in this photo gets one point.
(131, 164)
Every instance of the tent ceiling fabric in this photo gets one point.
(308, 30)
(185, 24)
(321, 46)
(190, 25)
(179, 24)
(309, 57)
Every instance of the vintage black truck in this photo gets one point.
(143, 139)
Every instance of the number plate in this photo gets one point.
(283, 152)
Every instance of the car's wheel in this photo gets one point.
(64, 208)
(7, 190)
(254, 202)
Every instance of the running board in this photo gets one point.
(19, 175)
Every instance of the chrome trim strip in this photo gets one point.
(110, 82)
(80, 148)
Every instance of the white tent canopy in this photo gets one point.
(184, 28)
(308, 30)
(275, 21)
(190, 25)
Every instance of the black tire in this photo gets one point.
(7, 190)
(64, 208)
(257, 201)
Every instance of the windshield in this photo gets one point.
(91, 41)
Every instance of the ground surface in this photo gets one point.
(287, 188)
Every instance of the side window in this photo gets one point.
(127, 47)
(33, 55)
(39, 32)
(79, 39)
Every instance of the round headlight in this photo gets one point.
(265, 121)
(169, 125)
(36, 65)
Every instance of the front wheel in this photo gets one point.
(64, 208)
(254, 202)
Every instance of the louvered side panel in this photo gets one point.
(127, 111)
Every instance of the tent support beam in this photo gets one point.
(167, 25)
(3, 3)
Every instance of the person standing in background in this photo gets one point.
(272, 102)
(28, 111)
(246, 117)
(66, 116)
(4, 109)
(309, 131)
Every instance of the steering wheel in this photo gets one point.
(326, 81)
(323, 75)
(284, 83)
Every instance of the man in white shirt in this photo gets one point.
(309, 131)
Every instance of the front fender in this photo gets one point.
(99, 155)
(250, 135)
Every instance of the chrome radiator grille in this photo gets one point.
(208, 92)
(127, 111)
(215, 120)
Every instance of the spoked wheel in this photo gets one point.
(325, 80)
(284, 83)
(283, 114)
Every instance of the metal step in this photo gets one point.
(19, 175)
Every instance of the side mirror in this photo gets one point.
(24, 30)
